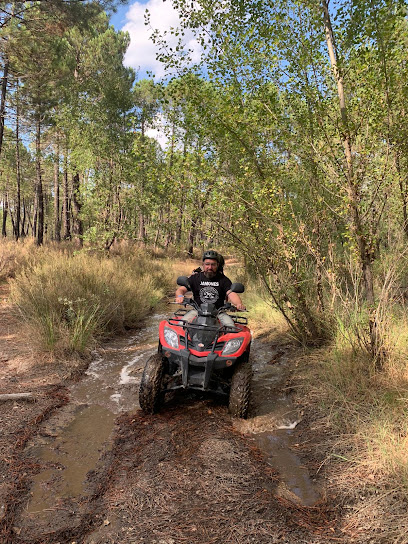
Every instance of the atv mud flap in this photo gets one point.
(201, 378)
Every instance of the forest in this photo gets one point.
(285, 142)
(284, 145)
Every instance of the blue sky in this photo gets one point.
(141, 54)
(118, 19)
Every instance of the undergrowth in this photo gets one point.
(364, 414)
(14, 256)
(70, 300)
(359, 408)
(263, 318)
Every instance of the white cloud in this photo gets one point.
(158, 135)
(141, 54)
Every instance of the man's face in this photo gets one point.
(210, 268)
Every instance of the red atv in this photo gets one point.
(201, 355)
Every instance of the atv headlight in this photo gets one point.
(232, 346)
(171, 337)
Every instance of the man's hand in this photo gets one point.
(179, 299)
(235, 299)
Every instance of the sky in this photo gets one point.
(141, 54)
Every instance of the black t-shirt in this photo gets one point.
(212, 290)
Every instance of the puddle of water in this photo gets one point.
(76, 451)
(126, 372)
(272, 425)
(112, 380)
(277, 448)
(109, 387)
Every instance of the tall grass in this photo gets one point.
(13, 256)
(263, 318)
(368, 405)
(69, 301)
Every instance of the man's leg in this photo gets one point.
(189, 316)
(226, 320)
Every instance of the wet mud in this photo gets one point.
(274, 419)
(105, 473)
(73, 442)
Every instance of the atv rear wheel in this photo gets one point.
(150, 385)
(240, 390)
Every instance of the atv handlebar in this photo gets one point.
(221, 329)
(231, 308)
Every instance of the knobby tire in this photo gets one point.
(150, 385)
(240, 391)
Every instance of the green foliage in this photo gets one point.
(306, 142)
(262, 155)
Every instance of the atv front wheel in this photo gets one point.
(240, 390)
(150, 385)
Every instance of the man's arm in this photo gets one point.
(235, 299)
(180, 292)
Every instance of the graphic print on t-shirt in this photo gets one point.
(209, 290)
(209, 294)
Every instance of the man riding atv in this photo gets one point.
(211, 285)
(204, 348)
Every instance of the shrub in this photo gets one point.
(71, 300)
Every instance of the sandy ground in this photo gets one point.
(186, 475)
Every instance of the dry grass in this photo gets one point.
(13, 256)
(362, 416)
(182, 267)
(69, 300)
(265, 320)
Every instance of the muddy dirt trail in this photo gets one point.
(95, 470)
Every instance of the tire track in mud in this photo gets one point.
(22, 468)
(185, 476)
(182, 476)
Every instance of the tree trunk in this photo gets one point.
(77, 226)
(57, 220)
(65, 198)
(39, 188)
(3, 98)
(13, 223)
(179, 228)
(314, 182)
(34, 215)
(192, 236)
(142, 228)
(352, 185)
(18, 170)
(23, 221)
(353, 191)
(5, 211)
